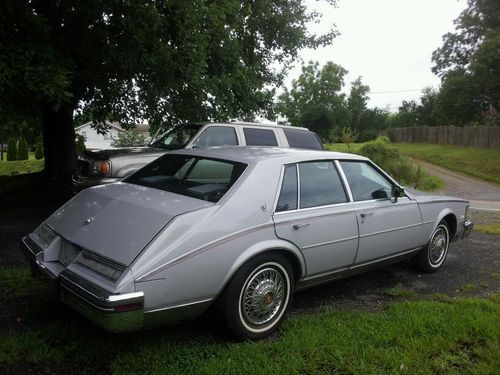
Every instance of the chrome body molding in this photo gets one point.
(182, 305)
(390, 230)
(328, 242)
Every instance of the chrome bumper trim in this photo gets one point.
(468, 226)
(33, 254)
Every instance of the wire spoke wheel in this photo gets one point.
(263, 296)
(438, 246)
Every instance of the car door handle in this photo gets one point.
(298, 226)
(364, 215)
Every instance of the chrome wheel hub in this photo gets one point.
(438, 246)
(263, 296)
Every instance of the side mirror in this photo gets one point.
(396, 192)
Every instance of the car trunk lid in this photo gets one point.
(118, 220)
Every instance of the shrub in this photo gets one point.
(39, 151)
(383, 139)
(22, 149)
(129, 138)
(389, 159)
(380, 153)
(12, 149)
(348, 136)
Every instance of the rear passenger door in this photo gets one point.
(313, 212)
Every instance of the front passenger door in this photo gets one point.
(385, 227)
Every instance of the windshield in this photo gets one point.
(198, 177)
(177, 137)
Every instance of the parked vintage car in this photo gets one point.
(97, 167)
(241, 228)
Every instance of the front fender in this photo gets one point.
(440, 217)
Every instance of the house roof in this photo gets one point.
(141, 128)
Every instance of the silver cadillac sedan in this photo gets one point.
(237, 228)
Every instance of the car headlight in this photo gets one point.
(101, 167)
(67, 253)
(100, 265)
(45, 235)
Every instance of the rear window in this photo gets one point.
(203, 178)
(260, 137)
(303, 139)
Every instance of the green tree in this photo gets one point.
(426, 107)
(468, 63)
(373, 121)
(166, 61)
(12, 149)
(356, 102)
(315, 99)
(22, 149)
(407, 114)
(131, 138)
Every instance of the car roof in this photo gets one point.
(255, 154)
(241, 123)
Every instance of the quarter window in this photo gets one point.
(320, 184)
(288, 195)
(217, 136)
(260, 137)
(365, 181)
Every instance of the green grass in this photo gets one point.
(487, 228)
(19, 283)
(8, 168)
(479, 162)
(452, 336)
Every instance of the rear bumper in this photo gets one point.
(113, 312)
(468, 226)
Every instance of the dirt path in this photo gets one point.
(483, 195)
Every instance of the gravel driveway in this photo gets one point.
(483, 195)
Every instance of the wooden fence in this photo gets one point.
(477, 136)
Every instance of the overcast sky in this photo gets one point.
(387, 42)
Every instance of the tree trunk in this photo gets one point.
(59, 143)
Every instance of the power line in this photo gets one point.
(421, 89)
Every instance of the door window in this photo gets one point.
(320, 184)
(217, 136)
(365, 181)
